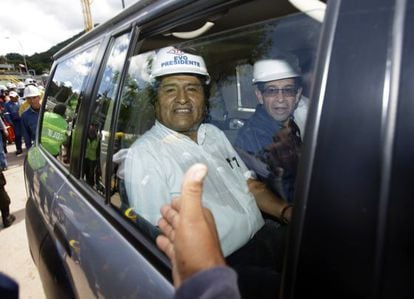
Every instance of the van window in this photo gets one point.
(62, 102)
(136, 116)
(98, 128)
(229, 57)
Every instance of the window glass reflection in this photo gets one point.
(62, 104)
(98, 135)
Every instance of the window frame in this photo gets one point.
(137, 49)
(82, 99)
(116, 98)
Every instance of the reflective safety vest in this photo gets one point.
(35, 159)
(23, 107)
(53, 132)
(91, 146)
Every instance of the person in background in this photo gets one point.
(54, 128)
(4, 97)
(11, 114)
(91, 155)
(25, 104)
(11, 86)
(269, 143)
(9, 288)
(3, 91)
(31, 115)
(20, 89)
(191, 243)
(4, 132)
(7, 218)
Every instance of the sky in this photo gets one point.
(34, 26)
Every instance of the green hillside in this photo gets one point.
(40, 62)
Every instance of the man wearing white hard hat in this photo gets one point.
(20, 86)
(11, 114)
(272, 134)
(155, 165)
(30, 81)
(31, 115)
(11, 86)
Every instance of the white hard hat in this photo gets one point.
(20, 85)
(174, 61)
(29, 81)
(13, 94)
(273, 69)
(11, 85)
(2, 87)
(31, 91)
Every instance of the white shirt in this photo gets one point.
(300, 114)
(155, 166)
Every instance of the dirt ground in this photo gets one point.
(15, 259)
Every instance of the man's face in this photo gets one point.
(34, 102)
(13, 99)
(180, 105)
(279, 98)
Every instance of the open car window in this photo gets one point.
(229, 58)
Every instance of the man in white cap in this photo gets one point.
(31, 115)
(20, 88)
(272, 133)
(156, 163)
(11, 114)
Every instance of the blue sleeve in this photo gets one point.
(248, 139)
(26, 136)
(214, 283)
(7, 113)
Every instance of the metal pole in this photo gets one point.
(123, 4)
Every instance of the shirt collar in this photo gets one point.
(201, 132)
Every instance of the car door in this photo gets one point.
(47, 167)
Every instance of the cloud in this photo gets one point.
(37, 25)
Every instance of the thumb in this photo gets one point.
(192, 190)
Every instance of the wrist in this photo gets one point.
(285, 213)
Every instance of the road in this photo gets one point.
(15, 259)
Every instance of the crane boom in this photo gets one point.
(87, 17)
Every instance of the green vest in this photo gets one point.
(53, 132)
(91, 146)
(35, 158)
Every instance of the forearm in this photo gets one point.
(2, 125)
(268, 202)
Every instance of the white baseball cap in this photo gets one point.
(13, 94)
(31, 91)
(273, 69)
(171, 60)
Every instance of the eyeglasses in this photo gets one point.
(273, 91)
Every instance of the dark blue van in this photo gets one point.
(352, 228)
